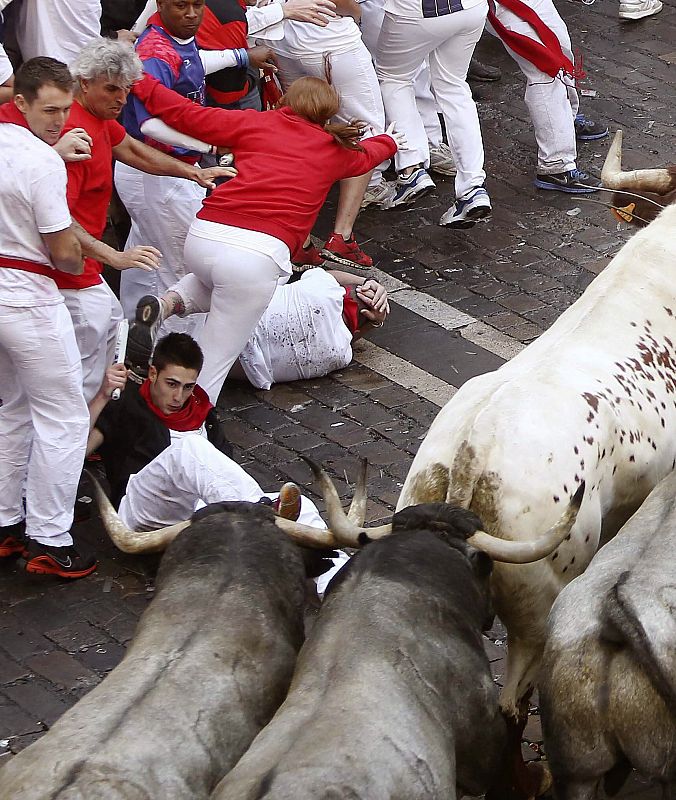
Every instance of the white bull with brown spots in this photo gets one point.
(594, 400)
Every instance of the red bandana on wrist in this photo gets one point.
(190, 418)
(350, 310)
(10, 113)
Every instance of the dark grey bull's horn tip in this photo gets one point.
(576, 501)
(316, 469)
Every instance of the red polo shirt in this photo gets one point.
(90, 184)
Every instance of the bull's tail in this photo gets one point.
(625, 627)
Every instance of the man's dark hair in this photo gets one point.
(38, 72)
(179, 349)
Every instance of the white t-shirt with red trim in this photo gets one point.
(32, 201)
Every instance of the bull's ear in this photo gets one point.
(482, 564)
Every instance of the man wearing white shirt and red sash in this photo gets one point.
(43, 415)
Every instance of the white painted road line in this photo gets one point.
(448, 317)
(403, 373)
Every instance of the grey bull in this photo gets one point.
(209, 664)
(392, 697)
(608, 682)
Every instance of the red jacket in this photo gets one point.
(285, 164)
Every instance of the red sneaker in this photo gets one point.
(346, 252)
(12, 539)
(308, 258)
(66, 562)
(11, 546)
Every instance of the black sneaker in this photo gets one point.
(483, 72)
(586, 130)
(12, 539)
(573, 182)
(143, 334)
(66, 562)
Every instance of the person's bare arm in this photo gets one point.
(7, 90)
(64, 250)
(320, 12)
(145, 158)
(141, 257)
(76, 145)
(348, 8)
(115, 378)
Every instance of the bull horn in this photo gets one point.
(123, 537)
(641, 180)
(307, 535)
(346, 532)
(357, 510)
(511, 552)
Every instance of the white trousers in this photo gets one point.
(96, 314)
(372, 13)
(552, 102)
(162, 210)
(190, 473)
(242, 283)
(448, 43)
(353, 77)
(44, 421)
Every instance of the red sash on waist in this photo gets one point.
(27, 266)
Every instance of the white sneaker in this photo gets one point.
(638, 9)
(466, 212)
(407, 188)
(380, 195)
(441, 160)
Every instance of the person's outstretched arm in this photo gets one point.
(217, 126)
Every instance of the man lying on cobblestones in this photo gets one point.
(307, 331)
(163, 449)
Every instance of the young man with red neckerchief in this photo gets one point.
(162, 446)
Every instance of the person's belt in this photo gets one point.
(27, 266)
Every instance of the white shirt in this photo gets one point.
(413, 9)
(301, 334)
(57, 28)
(305, 39)
(32, 201)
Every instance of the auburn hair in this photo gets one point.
(317, 101)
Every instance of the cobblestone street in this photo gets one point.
(462, 303)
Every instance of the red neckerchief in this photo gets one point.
(10, 113)
(190, 418)
(350, 311)
(547, 56)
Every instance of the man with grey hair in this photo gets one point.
(104, 72)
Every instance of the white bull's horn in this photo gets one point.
(307, 535)
(357, 510)
(346, 532)
(512, 552)
(123, 537)
(639, 180)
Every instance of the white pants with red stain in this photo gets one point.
(552, 102)
(44, 420)
(96, 314)
(162, 210)
(191, 473)
(447, 43)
